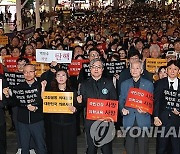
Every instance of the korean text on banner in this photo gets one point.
(152, 64)
(115, 67)
(140, 99)
(3, 40)
(40, 68)
(102, 109)
(75, 67)
(14, 78)
(172, 99)
(57, 102)
(10, 63)
(47, 56)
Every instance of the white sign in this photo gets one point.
(47, 56)
(1, 89)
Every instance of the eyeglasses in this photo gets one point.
(96, 67)
(94, 55)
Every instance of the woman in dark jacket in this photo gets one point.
(63, 125)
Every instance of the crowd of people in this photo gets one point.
(132, 34)
(5, 17)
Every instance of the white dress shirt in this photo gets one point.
(175, 83)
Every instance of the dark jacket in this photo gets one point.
(166, 116)
(25, 94)
(94, 89)
(48, 76)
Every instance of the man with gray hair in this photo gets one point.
(96, 87)
(133, 117)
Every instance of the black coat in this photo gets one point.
(49, 76)
(94, 89)
(23, 94)
(166, 116)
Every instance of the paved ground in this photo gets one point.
(118, 147)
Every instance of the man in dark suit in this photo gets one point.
(167, 116)
(135, 117)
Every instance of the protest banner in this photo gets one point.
(28, 32)
(102, 109)
(1, 89)
(40, 68)
(75, 67)
(115, 67)
(10, 63)
(87, 72)
(14, 78)
(3, 40)
(47, 56)
(1, 68)
(64, 66)
(172, 98)
(57, 102)
(152, 64)
(26, 97)
(140, 99)
(102, 47)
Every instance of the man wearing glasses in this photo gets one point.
(27, 96)
(97, 87)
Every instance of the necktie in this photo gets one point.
(171, 86)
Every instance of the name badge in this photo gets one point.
(104, 91)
